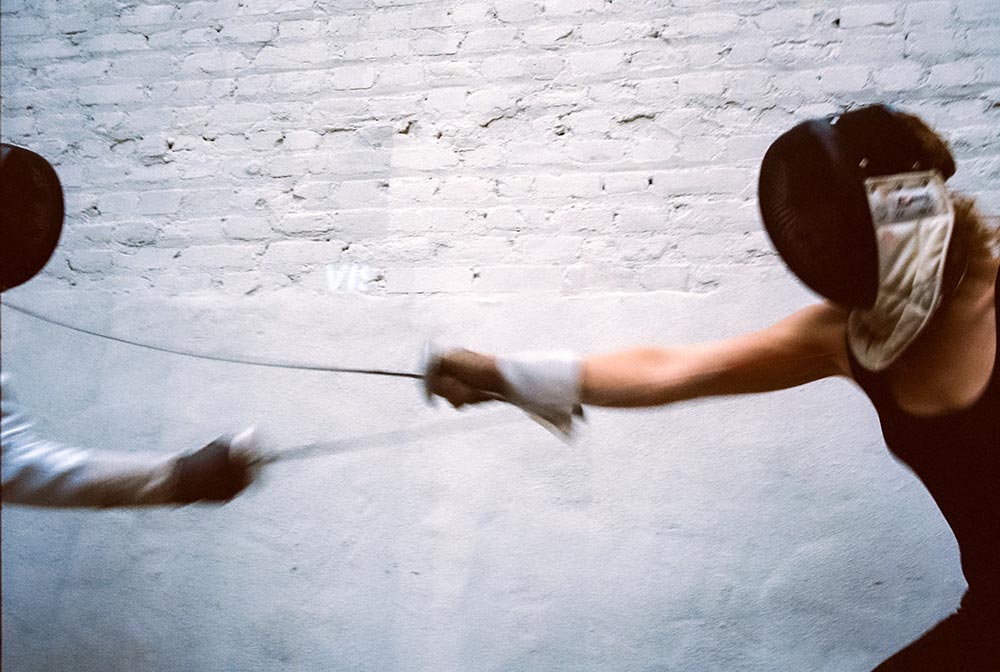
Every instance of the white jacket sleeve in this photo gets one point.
(41, 472)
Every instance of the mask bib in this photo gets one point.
(913, 218)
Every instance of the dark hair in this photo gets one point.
(975, 233)
(981, 237)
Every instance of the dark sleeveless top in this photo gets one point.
(957, 456)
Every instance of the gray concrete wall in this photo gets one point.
(334, 182)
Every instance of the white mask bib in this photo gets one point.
(914, 219)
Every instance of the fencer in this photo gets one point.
(42, 472)
(856, 206)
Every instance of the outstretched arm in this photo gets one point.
(806, 346)
(41, 472)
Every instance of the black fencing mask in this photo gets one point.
(31, 209)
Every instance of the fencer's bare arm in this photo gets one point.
(806, 346)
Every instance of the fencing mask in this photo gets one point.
(857, 208)
(31, 208)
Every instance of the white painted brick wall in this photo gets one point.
(273, 113)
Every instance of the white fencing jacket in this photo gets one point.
(42, 472)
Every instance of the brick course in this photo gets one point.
(520, 121)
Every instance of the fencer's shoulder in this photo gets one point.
(831, 313)
(9, 406)
(818, 330)
(817, 318)
(9, 403)
(818, 326)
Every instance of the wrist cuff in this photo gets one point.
(544, 384)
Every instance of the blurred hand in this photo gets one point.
(464, 377)
(219, 471)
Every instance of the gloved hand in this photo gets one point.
(462, 377)
(546, 385)
(219, 471)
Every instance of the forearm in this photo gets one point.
(647, 377)
(655, 376)
(40, 472)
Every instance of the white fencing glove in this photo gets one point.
(545, 385)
